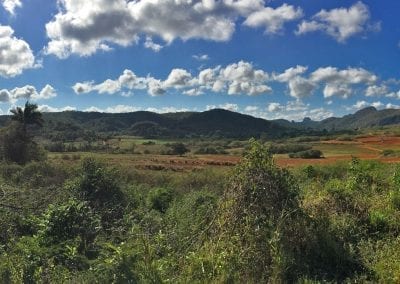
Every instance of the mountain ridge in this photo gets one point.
(215, 122)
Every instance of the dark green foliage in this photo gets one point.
(160, 198)
(256, 224)
(258, 218)
(288, 148)
(28, 115)
(211, 151)
(148, 129)
(69, 221)
(99, 186)
(16, 144)
(308, 154)
(177, 149)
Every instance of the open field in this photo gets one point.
(146, 156)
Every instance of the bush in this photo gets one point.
(99, 186)
(259, 218)
(68, 221)
(177, 149)
(159, 199)
(211, 151)
(288, 148)
(309, 154)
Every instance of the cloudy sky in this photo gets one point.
(272, 59)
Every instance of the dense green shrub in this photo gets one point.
(308, 154)
(258, 218)
(68, 221)
(288, 148)
(99, 186)
(177, 149)
(160, 199)
(210, 151)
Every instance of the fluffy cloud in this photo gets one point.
(47, 92)
(242, 78)
(127, 80)
(155, 87)
(193, 92)
(390, 105)
(340, 23)
(336, 82)
(149, 43)
(297, 110)
(339, 82)
(5, 95)
(11, 5)
(395, 95)
(129, 108)
(226, 106)
(290, 73)
(84, 27)
(298, 86)
(273, 20)
(251, 108)
(16, 55)
(292, 110)
(363, 104)
(234, 79)
(274, 107)
(83, 88)
(178, 78)
(46, 108)
(376, 91)
(27, 92)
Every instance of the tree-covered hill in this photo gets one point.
(70, 125)
(218, 122)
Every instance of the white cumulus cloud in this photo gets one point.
(340, 23)
(11, 5)
(15, 54)
(84, 27)
(272, 19)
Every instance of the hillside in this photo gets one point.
(72, 125)
(365, 118)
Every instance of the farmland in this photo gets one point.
(147, 152)
(123, 208)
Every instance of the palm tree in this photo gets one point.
(29, 115)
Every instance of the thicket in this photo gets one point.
(288, 148)
(258, 223)
(308, 154)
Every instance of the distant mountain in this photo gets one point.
(72, 125)
(365, 118)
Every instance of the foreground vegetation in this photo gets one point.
(257, 222)
(86, 220)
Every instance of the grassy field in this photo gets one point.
(149, 154)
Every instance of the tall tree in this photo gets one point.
(29, 115)
(15, 143)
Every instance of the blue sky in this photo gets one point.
(271, 59)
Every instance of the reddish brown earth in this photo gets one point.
(367, 148)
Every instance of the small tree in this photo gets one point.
(17, 145)
(259, 219)
(27, 116)
(179, 149)
(99, 186)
